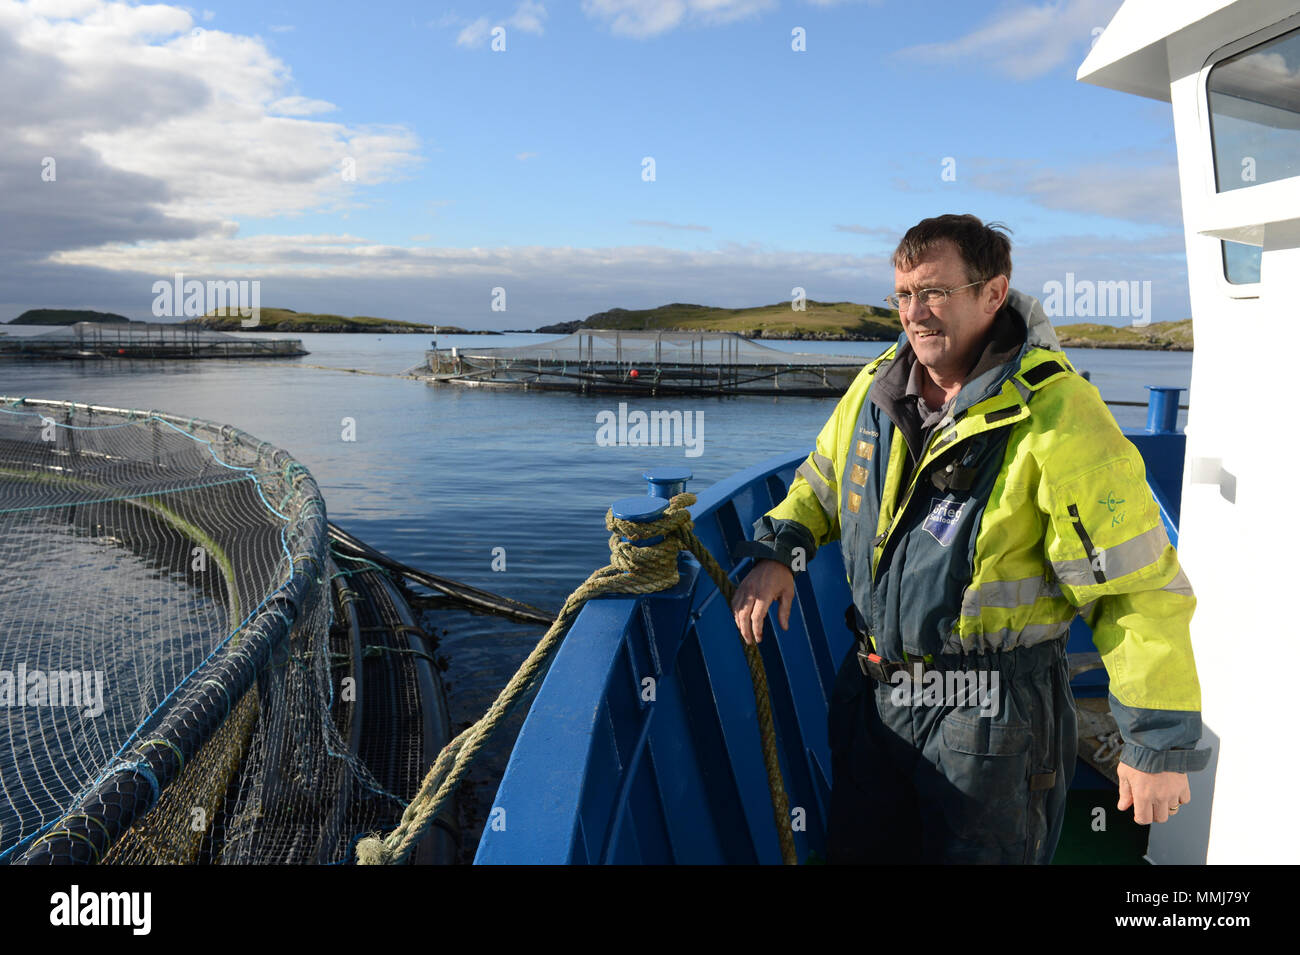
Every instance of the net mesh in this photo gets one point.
(648, 362)
(145, 339)
(175, 682)
(647, 347)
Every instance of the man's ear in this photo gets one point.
(996, 292)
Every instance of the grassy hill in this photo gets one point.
(1165, 336)
(64, 316)
(287, 320)
(843, 321)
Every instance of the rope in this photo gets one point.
(631, 570)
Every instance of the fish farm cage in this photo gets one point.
(145, 340)
(647, 362)
(190, 670)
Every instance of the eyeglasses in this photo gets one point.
(929, 297)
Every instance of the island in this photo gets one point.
(287, 320)
(65, 316)
(821, 321)
(1158, 336)
(849, 321)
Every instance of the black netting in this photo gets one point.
(175, 684)
(145, 340)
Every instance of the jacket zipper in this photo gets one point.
(925, 462)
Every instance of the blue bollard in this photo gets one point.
(1162, 410)
(666, 482)
(641, 510)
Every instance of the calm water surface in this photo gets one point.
(438, 477)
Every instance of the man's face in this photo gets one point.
(948, 338)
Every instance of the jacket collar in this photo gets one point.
(1019, 325)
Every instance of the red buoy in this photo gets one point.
(121, 351)
(633, 372)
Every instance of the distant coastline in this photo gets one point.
(67, 316)
(817, 321)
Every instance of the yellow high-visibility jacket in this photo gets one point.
(1027, 506)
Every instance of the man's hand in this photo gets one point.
(1151, 795)
(769, 580)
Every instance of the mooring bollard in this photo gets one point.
(641, 510)
(666, 482)
(1162, 409)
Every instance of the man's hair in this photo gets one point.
(985, 249)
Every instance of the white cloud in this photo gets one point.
(282, 28)
(647, 18)
(524, 157)
(300, 106)
(1025, 40)
(1131, 189)
(198, 117)
(474, 33)
(527, 17)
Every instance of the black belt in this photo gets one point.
(870, 662)
(882, 670)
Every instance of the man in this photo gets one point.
(983, 496)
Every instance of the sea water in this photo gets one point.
(504, 490)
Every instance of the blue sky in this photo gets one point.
(213, 140)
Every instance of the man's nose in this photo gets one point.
(912, 303)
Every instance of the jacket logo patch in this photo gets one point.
(865, 450)
(858, 475)
(941, 523)
(855, 502)
(1112, 505)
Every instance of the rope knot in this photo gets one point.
(634, 550)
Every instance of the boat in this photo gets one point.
(641, 745)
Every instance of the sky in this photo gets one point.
(503, 165)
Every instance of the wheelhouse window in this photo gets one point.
(1241, 263)
(1254, 105)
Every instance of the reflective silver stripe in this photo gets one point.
(1007, 594)
(1027, 636)
(1031, 635)
(1118, 561)
(825, 495)
(824, 464)
(1179, 585)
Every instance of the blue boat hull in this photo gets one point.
(642, 744)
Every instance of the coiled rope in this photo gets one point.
(632, 569)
